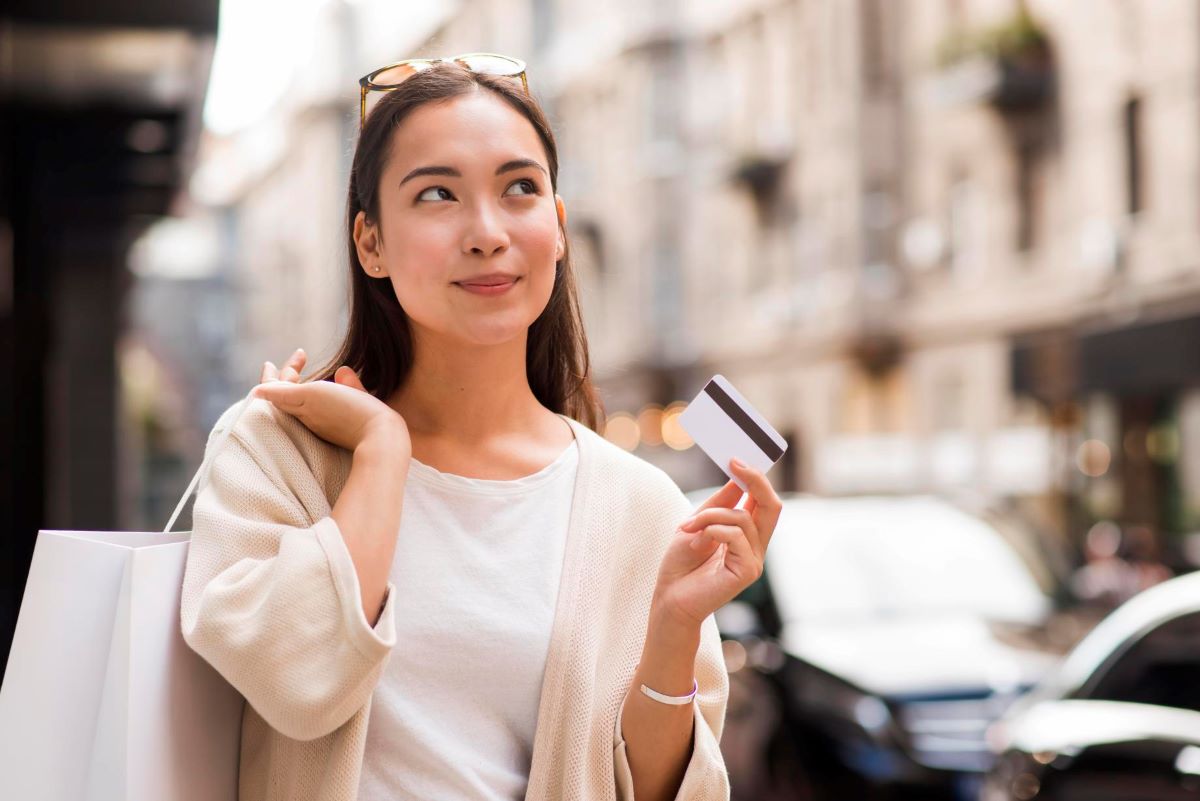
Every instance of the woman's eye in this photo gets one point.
(526, 182)
(440, 189)
(442, 193)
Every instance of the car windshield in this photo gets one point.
(879, 557)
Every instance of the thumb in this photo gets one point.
(346, 375)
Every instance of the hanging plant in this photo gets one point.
(1020, 40)
(1020, 54)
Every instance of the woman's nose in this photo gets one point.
(485, 234)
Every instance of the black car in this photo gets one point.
(1120, 720)
(884, 637)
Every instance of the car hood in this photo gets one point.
(1075, 724)
(917, 655)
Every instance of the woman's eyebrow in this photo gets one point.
(508, 166)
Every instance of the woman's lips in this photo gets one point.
(485, 289)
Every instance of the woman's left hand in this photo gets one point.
(697, 575)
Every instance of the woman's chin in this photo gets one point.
(496, 332)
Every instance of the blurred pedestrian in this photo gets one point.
(1145, 555)
(1105, 579)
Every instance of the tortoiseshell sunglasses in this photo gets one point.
(389, 77)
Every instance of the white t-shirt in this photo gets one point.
(476, 573)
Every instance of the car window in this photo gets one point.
(1160, 668)
(876, 557)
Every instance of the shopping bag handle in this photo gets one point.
(208, 459)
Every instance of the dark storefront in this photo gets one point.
(1144, 372)
(99, 118)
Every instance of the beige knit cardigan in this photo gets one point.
(271, 600)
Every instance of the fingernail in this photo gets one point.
(738, 463)
(686, 524)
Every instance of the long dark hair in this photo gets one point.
(378, 340)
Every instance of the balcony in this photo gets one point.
(1009, 66)
(761, 174)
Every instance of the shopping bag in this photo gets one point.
(102, 699)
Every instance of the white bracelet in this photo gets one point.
(672, 699)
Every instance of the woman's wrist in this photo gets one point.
(669, 654)
(385, 435)
(670, 627)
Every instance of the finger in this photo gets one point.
(735, 540)
(713, 516)
(293, 366)
(725, 497)
(297, 359)
(764, 503)
(268, 373)
(346, 375)
(284, 394)
(740, 518)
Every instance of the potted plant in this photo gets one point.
(1018, 55)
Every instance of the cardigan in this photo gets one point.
(271, 599)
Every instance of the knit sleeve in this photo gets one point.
(271, 598)
(706, 778)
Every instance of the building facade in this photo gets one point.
(943, 245)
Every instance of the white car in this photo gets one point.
(899, 619)
(1120, 718)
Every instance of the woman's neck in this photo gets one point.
(468, 395)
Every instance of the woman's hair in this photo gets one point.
(378, 343)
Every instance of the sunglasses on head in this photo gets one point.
(389, 77)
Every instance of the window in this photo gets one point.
(1160, 668)
(1030, 197)
(1135, 200)
(874, 46)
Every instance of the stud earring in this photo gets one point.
(376, 268)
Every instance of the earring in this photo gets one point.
(376, 268)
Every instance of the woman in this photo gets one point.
(538, 623)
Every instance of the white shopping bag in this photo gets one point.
(102, 698)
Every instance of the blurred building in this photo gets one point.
(280, 186)
(99, 115)
(988, 252)
(945, 245)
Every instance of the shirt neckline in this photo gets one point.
(491, 486)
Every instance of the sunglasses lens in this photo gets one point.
(493, 65)
(394, 75)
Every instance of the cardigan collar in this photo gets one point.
(554, 705)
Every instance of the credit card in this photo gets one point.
(726, 426)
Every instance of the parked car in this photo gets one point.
(1120, 719)
(886, 634)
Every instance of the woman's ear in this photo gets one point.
(366, 242)
(561, 247)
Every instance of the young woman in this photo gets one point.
(426, 576)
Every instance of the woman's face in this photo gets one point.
(466, 192)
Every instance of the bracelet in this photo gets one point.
(672, 699)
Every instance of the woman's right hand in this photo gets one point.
(340, 411)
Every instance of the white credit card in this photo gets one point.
(726, 426)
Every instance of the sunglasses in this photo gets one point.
(389, 77)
